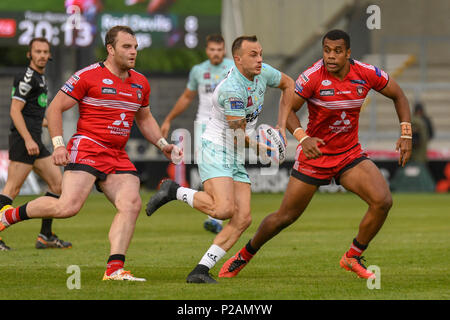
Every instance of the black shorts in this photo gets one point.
(18, 152)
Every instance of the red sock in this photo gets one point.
(356, 249)
(247, 252)
(115, 262)
(12, 216)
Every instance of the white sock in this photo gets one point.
(214, 219)
(186, 195)
(214, 254)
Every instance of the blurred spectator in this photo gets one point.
(154, 6)
(423, 132)
(88, 8)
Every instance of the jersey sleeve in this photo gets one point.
(23, 86)
(192, 81)
(304, 86)
(76, 87)
(233, 103)
(146, 94)
(377, 78)
(272, 75)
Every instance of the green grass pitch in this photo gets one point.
(302, 262)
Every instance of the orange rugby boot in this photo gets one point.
(355, 265)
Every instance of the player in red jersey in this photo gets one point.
(334, 88)
(110, 96)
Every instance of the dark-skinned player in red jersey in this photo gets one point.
(334, 89)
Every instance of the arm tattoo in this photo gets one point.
(237, 124)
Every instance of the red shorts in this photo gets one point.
(320, 171)
(88, 155)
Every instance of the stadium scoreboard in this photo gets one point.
(61, 29)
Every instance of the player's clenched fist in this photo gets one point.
(60, 156)
(310, 147)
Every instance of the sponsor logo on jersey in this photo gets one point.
(358, 81)
(236, 104)
(326, 82)
(344, 92)
(107, 90)
(121, 121)
(206, 75)
(135, 85)
(24, 88)
(42, 100)
(298, 87)
(341, 125)
(249, 101)
(360, 90)
(139, 94)
(125, 94)
(107, 81)
(327, 92)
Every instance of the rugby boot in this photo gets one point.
(166, 193)
(354, 264)
(122, 275)
(232, 266)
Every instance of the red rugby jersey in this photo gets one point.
(334, 105)
(107, 105)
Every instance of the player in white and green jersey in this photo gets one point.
(237, 103)
(203, 79)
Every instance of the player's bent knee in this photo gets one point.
(67, 211)
(383, 204)
(222, 213)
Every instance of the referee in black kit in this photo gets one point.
(26, 150)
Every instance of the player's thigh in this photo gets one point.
(221, 190)
(366, 180)
(123, 191)
(76, 187)
(296, 198)
(17, 174)
(50, 173)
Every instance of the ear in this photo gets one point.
(110, 49)
(29, 55)
(349, 53)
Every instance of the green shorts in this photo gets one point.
(216, 163)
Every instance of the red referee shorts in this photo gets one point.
(320, 171)
(88, 155)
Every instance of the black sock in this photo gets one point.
(46, 227)
(250, 249)
(5, 200)
(120, 257)
(359, 245)
(23, 212)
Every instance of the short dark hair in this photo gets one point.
(217, 38)
(38, 39)
(237, 43)
(111, 35)
(337, 34)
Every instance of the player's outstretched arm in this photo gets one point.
(59, 104)
(404, 143)
(287, 94)
(310, 145)
(180, 106)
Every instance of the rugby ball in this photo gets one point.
(272, 137)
